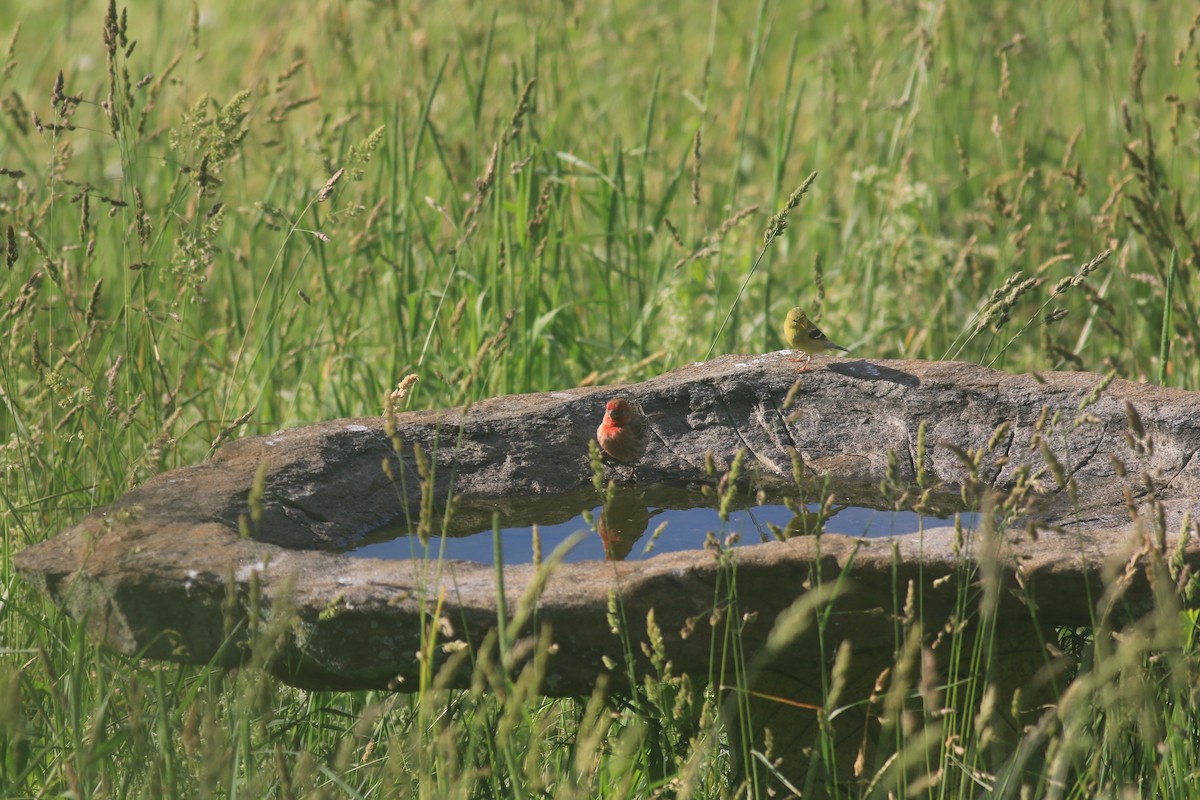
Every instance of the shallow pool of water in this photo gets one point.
(639, 523)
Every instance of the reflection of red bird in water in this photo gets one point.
(622, 434)
(622, 521)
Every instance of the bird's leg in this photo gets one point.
(804, 360)
(619, 469)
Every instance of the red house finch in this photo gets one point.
(622, 434)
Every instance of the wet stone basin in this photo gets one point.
(156, 572)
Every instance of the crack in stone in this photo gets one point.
(1095, 449)
(911, 451)
(1186, 461)
(668, 447)
(787, 429)
(1075, 467)
(1075, 522)
(1012, 437)
(759, 415)
(732, 424)
(1003, 454)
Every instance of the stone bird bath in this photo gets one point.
(157, 572)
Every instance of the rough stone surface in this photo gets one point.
(164, 571)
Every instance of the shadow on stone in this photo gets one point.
(869, 371)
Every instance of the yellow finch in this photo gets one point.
(801, 334)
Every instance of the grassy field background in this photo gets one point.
(234, 217)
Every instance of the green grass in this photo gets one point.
(522, 209)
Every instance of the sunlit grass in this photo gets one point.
(538, 196)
